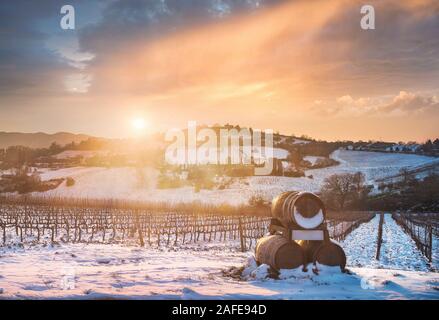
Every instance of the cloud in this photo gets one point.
(309, 48)
(241, 50)
(77, 82)
(407, 102)
(274, 63)
(348, 100)
(346, 105)
(403, 47)
(27, 65)
(36, 56)
(123, 21)
(404, 103)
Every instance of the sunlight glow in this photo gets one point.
(139, 124)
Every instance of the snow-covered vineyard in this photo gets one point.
(398, 251)
(215, 270)
(92, 254)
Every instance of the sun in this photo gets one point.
(139, 124)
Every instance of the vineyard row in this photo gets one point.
(37, 223)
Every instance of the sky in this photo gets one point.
(297, 67)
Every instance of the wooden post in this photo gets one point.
(139, 229)
(241, 236)
(430, 242)
(380, 236)
(4, 233)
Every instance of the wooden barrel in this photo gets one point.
(279, 253)
(309, 248)
(302, 208)
(330, 254)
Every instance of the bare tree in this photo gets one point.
(339, 189)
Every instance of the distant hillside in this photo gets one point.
(39, 139)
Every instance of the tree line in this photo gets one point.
(349, 191)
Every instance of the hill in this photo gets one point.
(131, 183)
(39, 139)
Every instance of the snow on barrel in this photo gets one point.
(328, 253)
(304, 209)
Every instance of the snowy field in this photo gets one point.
(398, 250)
(140, 184)
(435, 253)
(203, 272)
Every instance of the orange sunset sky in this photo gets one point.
(302, 67)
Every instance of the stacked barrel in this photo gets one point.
(298, 234)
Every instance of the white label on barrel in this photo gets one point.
(307, 235)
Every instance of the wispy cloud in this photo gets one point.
(401, 104)
(290, 65)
